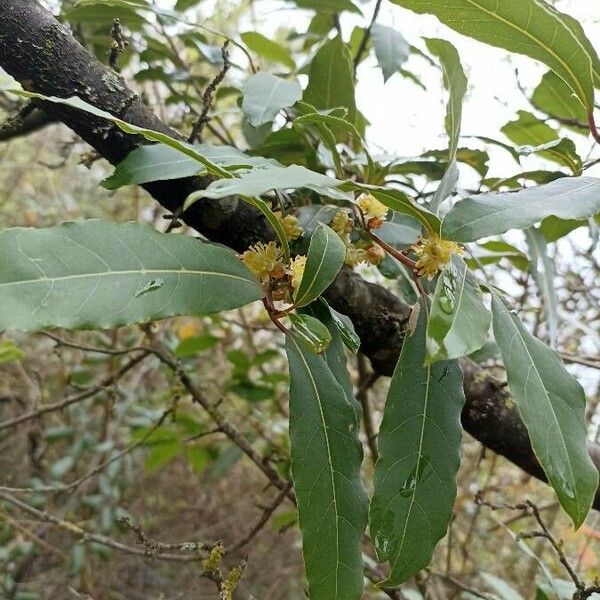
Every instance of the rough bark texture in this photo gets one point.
(44, 57)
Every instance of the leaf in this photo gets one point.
(326, 458)
(158, 162)
(491, 214)
(455, 83)
(554, 97)
(346, 330)
(267, 48)
(552, 405)
(312, 332)
(326, 255)
(330, 6)
(265, 95)
(89, 274)
(538, 137)
(542, 270)
(529, 27)
(391, 49)
(9, 352)
(459, 322)
(330, 79)
(415, 477)
(260, 181)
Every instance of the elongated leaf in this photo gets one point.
(530, 27)
(492, 214)
(9, 352)
(265, 95)
(326, 255)
(313, 333)
(329, 6)
(554, 97)
(159, 162)
(326, 459)
(259, 181)
(267, 48)
(391, 49)
(91, 274)
(455, 82)
(346, 330)
(542, 269)
(552, 405)
(415, 477)
(538, 137)
(330, 79)
(459, 322)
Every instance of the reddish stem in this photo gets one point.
(407, 262)
(592, 125)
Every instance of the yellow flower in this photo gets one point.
(375, 254)
(290, 226)
(435, 253)
(355, 256)
(373, 210)
(297, 268)
(342, 223)
(262, 259)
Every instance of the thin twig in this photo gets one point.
(367, 35)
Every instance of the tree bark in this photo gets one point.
(44, 57)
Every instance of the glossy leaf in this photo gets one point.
(265, 95)
(537, 137)
(90, 274)
(552, 405)
(346, 330)
(313, 333)
(260, 181)
(491, 214)
(455, 83)
(459, 322)
(326, 255)
(554, 97)
(330, 79)
(530, 27)
(267, 48)
(415, 477)
(326, 459)
(391, 49)
(542, 270)
(159, 162)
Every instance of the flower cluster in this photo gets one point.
(374, 211)
(434, 254)
(290, 226)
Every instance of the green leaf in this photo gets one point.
(326, 459)
(530, 27)
(455, 83)
(265, 95)
(268, 49)
(90, 274)
(330, 79)
(538, 137)
(554, 97)
(325, 258)
(553, 228)
(492, 214)
(191, 346)
(415, 477)
(459, 322)
(329, 6)
(312, 332)
(9, 352)
(159, 163)
(552, 405)
(346, 330)
(260, 181)
(391, 49)
(542, 270)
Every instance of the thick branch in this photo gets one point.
(44, 57)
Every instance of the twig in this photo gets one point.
(118, 46)
(108, 381)
(267, 513)
(207, 98)
(366, 381)
(367, 35)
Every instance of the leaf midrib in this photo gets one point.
(126, 272)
